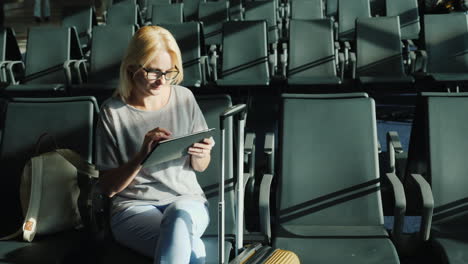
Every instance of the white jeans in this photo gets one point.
(41, 8)
(170, 234)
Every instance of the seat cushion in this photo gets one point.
(452, 250)
(340, 250)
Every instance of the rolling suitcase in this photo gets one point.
(254, 253)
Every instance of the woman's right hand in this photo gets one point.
(152, 137)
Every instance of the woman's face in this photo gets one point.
(149, 81)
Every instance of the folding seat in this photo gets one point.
(447, 60)
(327, 171)
(212, 15)
(313, 64)
(107, 50)
(70, 121)
(435, 179)
(379, 51)
(244, 65)
(307, 9)
(83, 19)
(168, 14)
(11, 59)
(53, 61)
(408, 12)
(149, 7)
(188, 36)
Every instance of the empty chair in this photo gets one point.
(436, 173)
(379, 51)
(243, 66)
(408, 12)
(188, 37)
(70, 121)
(306, 9)
(124, 13)
(107, 50)
(191, 10)
(83, 19)
(317, 199)
(51, 60)
(446, 38)
(168, 14)
(348, 12)
(331, 7)
(312, 64)
(10, 56)
(149, 7)
(212, 15)
(264, 10)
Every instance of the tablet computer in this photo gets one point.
(174, 148)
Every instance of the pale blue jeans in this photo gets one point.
(169, 234)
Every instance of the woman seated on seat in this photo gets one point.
(159, 211)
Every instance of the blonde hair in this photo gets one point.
(147, 42)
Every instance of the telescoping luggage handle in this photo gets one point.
(240, 111)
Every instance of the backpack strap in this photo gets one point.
(80, 164)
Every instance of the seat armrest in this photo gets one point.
(393, 147)
(400, 204)
(341, 65)
(213, 62)
(428, 205)
(264, 205)
(421, 59)
(352, 57)
(10, 71)
(269, 151)
(284, 60)
(249, 154)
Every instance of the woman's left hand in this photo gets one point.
(201, 149)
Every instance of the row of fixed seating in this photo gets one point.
(324, 173)
(378, 58)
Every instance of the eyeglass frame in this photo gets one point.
(147, 71)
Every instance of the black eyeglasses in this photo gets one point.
(153, 75)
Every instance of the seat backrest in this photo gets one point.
(316, 60)
(188, 37)
(241, 63)
(264, 10)
(9, 49)
(331, 7)
(378, 45)
(123, 13)
(329, 167)
(69, 120)
(377, 7)
(167, 14)
(408, 12)
(212, 15)
(107, 51)
(348, 12)
(48, 47)
(446, 37)
(149, 6)
(306, 9)
(447, 126)
(83, 19)
(212, 106)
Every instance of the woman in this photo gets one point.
(159, 211)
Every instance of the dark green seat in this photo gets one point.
(83, 19)
(312, 65)
(71, 121)
(167, 14)
(264, 10)
(408, 12)
(212, 15)
(331, 8)
(446, 49)
(348, 12)
(149, 7)
(124, 13)
(306, 9)
(436, 175)
(379, 51)
(188, 37)
(327, 172)
(244, 66)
